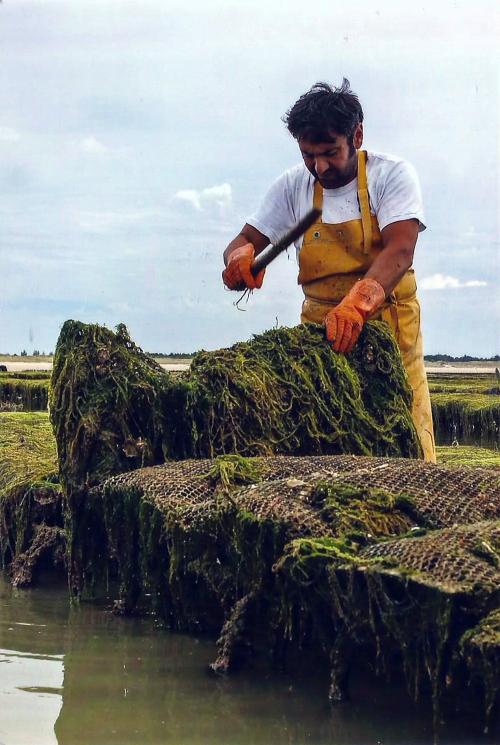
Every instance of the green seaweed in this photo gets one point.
(364, 513)
(27, 450)
(104, 404)
(463, 418)
(462, 383)
(468, 455)
(24, 391)
(465, 409)
(349, 602)
(480, 649)
(114, 409)
(31, 502)
(287, 391)
(230, 470)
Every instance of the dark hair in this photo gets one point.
(324, 109)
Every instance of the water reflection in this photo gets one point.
(31, 666)
(75, 676)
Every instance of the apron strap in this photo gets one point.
(318, 196)
(364, 202)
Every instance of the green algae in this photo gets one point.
(480, 649)
(24, 391)
(27, 374)
(468, 455)
(468, 402)
(192, 565)
(233, 469)
(287, 392)
(463, 383)
(114, 409)
(466, 420)
(31, 502)
(362, 513)
(104, 404)
(389, 612)
(466, 409)
(27, 450)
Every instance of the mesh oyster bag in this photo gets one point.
(385, 559)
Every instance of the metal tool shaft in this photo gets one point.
(265, 258)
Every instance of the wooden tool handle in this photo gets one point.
(265, 258)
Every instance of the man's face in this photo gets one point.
(334, 162)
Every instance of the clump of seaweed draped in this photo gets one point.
(31, 505)
(285, 391)
(228, 470)
(106, 404)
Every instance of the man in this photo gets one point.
(355, 263)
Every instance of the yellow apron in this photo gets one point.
(332, 258)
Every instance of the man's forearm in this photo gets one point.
(390, 266)
(399, 239)
(248, 234)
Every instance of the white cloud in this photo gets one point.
(220, 195)
(7, 134)
(189, 195)
(93, 146)
(444, 282)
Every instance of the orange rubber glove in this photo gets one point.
(344, 322)
(237, 274)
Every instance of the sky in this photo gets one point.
(136, 138)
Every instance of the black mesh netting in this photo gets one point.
(443, 496)
(396, 558)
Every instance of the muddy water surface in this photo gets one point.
(81, 676)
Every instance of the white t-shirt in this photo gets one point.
(393, 188)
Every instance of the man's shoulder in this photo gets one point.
(381, 165)
(394, 189)
(381, 158)
(296, 176)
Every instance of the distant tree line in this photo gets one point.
(463, 358)
(172, 355)
(35, 353)
(189, 355)
(428, 357)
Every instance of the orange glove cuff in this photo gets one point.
(343, 323)
(367, 295)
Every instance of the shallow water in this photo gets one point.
(81, 676)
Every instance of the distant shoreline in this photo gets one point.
(20, 364)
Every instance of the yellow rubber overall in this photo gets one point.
(332, 258)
